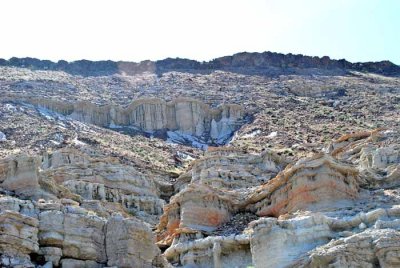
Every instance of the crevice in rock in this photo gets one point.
(37, 259)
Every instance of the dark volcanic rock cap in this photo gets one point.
(266, 63)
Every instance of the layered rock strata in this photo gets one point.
(18, 238)
(377, 247)
(311, 184)
(374, 155)
(181, 119)
(103, 185)
(213, 251)
(65, 234)
(316, 212)
(219, 184)
(309, 240)
(319, 241)
(20, 174)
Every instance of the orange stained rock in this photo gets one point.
(166, 237)
(284, 194)
(215, 218)
(359, 135)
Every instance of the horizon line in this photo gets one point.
(200, 61)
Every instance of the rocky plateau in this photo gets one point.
(251, 160)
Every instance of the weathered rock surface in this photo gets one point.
(20, 174)
(370, 238)
(316, 182)
(130, 243)
(230, 169)
(70, 173)
(18, 239)
(218, 189)
(214, 251)
(370, 248)
(184, 117)
(79, 236)
(105, 180)
(303, 204)
(75, 192)
(279, 243)
(70, 236)
(376, 157)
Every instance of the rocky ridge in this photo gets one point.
(248, 63)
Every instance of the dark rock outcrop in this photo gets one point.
(265, 63)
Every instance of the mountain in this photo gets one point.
(177, 163)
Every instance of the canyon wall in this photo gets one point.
(230, 209)
(187, 118)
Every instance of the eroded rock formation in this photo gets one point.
(20, 174)
(215, 251)
(181, 120)
(219, 185)
(63, 233)
(77, 195)
(86, 210)
(104, 180)
(103, 185)
(325, 241)
(277, 243)
(312, 183)
(378, 247)
(18, 238)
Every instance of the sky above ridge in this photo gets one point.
(134, 30)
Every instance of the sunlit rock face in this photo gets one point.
(218, 188)
(20, 174)
(18, 238)
(311, 184)
(286, 191)
(277, 243)
(130, 243)
(100, 184)
(63, 233)
(183, 120)
(104, 183)
(377, 161)
(378, 247)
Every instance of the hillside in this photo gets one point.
(250, 160)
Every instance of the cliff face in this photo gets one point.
(268, 63)
(320, 211)
(281, 194)
(182, 119)
(79, 213)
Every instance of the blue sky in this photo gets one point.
(358, 30)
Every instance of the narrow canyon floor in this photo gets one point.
(199, 169)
